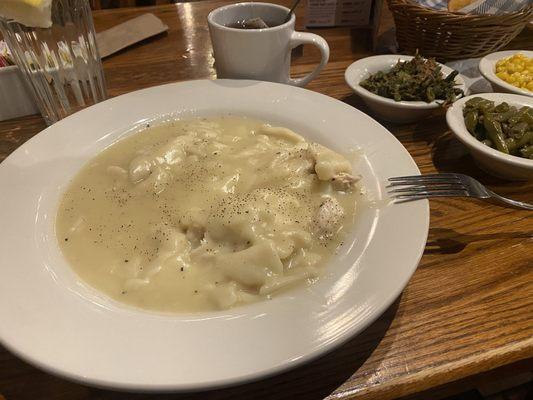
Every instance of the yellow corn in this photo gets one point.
(516, 70)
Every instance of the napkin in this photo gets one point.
(434, 4)
(469, 70)
(480, 6)
(495, 6)
(130, 32)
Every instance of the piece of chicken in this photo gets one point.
(326, 163)
(331, 166)
(344, 181)
(328, 217)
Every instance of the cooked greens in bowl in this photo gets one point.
(504, 127)
(418, 79)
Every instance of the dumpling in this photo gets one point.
(281, 133)
(252, 266)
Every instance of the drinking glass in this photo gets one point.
(60, 63)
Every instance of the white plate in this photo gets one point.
(487, 67)
(389, 109)
(53, 320)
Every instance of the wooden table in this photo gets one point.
(467, 310)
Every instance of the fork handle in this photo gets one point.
(496, 198)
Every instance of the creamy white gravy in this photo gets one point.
(205, 214)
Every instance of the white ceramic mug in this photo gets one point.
(259, 54)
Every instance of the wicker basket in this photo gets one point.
(450, 36)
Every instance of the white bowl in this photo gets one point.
(54, 320)
(388, 109)
(491, 160)
(487, 67)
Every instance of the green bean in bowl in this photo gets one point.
(504, 127)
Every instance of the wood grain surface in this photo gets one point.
(468, 308)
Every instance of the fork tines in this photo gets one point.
(407, 188)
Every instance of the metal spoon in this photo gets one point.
(291, 11)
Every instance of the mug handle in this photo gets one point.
(298, 38)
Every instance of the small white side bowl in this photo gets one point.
(491, 160)
(388, 109)
(487, 67)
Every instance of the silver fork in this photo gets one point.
(416, 187)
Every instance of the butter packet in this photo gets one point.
(31, 13)
(5, 55)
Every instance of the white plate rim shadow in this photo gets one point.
(59, 324)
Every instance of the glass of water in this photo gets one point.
(61, 63)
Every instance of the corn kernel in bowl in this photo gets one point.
(516, 70)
